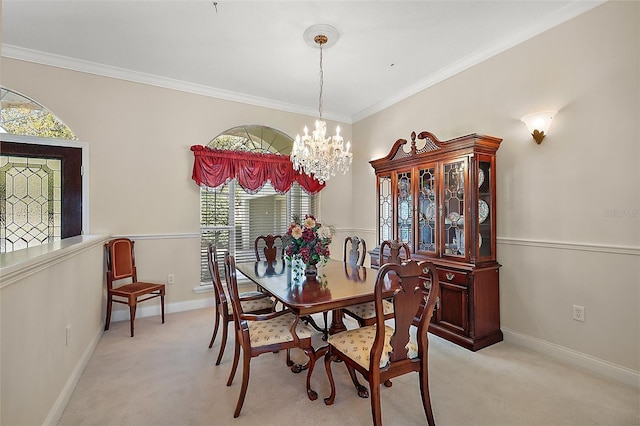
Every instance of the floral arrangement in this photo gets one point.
(308, 240)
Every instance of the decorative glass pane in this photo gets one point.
(386, 209)
(427, 211)
(405, 208)
(29, 196)
(454, 239)
(484, 209)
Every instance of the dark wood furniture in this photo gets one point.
(439, 197)
(272, 247)
(121, 265)
(338, 285)
(259, 334)
(365, 313)
(353, 253)
(252, 302)
(380, 353)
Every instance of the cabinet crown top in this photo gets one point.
(472, 143)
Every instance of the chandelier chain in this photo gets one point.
(321, 82)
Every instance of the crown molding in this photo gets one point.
(58, 61)
(568, 12)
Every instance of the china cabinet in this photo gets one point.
(439, 197)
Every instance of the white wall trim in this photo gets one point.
(65, 394)
(183, 235)
(601, 248)
(592, 364)
(154, 310)
(19, 264)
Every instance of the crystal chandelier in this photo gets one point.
(317, 154)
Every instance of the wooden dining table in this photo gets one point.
(337, 285)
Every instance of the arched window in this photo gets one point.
(232, 218)
(39, 173)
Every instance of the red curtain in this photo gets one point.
(215, 167)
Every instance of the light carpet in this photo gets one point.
(166, 375)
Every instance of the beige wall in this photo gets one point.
(39, 366)
(557, 245)
(558, 242)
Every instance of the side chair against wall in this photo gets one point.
(365, 313)
(254, 302)
(121, 265)
(381, 353)
(259, 334)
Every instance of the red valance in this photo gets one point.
(215, 167)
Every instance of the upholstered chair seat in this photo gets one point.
(277, 330)
(367, 310)
(357, 343)
(255, 301)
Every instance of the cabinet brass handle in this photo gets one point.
(449, 276)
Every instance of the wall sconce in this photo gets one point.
(538, 124)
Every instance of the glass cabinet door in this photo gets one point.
(453, 198)
(385, 206)
(486, 219)
(405, 209)
(427, 211)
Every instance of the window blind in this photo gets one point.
(232, 219)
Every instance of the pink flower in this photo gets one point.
(310, 222)
(296, 232)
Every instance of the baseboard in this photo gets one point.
(594, 365)
(65, 394)
(153, 310)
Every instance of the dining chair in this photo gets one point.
(383, 351)
(259, 334)
(121, 265)
(365, 313)
(254, 302)
(272, 247)
(352, 255)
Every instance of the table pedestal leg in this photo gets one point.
(337, 323)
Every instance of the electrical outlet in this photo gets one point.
(171, 279)
(68, 335)
(578, 313)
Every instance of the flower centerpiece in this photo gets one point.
(308, 242)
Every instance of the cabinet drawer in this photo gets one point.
(453, 277)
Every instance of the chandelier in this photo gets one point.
(316, 154)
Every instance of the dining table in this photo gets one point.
(337, 285)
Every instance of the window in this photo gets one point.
(232, 218)
(40, 179)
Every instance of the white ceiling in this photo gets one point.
(254, 51)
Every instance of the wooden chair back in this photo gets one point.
(272, 247)
(219, 295)
(121, 262)
(414, 296)
(395, 246)
(351, 252)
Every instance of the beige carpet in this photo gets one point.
(166, 375)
